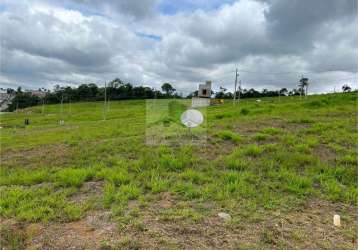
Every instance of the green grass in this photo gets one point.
(73, 177)
(11, 239)
(281, 151)
(228, 135)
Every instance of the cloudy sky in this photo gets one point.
(148, 42)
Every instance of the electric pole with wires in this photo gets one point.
(105, 101)
(238, 99)
(236, 76)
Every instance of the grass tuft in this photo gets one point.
(228, 135)
(73, 177)
(253, 150)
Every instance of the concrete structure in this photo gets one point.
(205, 90)
(197, 102)
(204, 94)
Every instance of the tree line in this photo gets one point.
(114, 90)
(118, 90)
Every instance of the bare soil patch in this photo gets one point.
(310, 226)
(30, 158)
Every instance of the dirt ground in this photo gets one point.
(309, 227)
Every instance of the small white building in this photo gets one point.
(204, 94)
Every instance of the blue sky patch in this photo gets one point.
(169, 7)
(149, 36)
(2, 7)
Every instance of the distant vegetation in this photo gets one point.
(115, 90)
(118, 90)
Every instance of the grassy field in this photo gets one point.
(280, 167)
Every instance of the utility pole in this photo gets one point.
(236, 75)
(62, 107)
(70, 105)
(301, 87)
(43, 105)
(105, 101)
(238, 100)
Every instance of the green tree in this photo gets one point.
(168, 88)
(346, 88)
(303, 86)
(283, 91)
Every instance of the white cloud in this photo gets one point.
(45, 44)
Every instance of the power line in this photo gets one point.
(273, 73)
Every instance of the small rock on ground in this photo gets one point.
(224, 216)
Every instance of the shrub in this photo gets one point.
(221, 116)
(244, 111)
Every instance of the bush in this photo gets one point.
(221, 116)
(244, 111)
